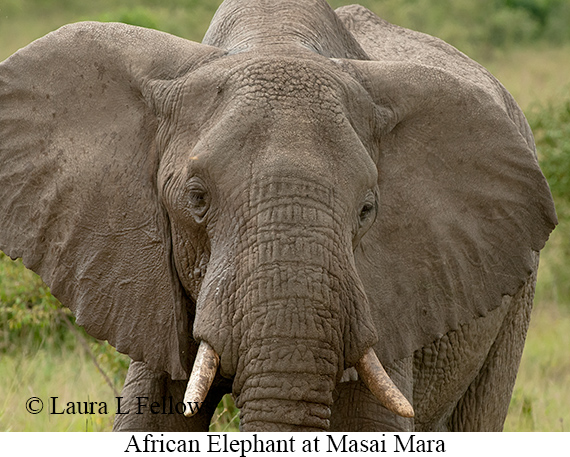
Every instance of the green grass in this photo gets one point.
(71, 376)
(542, 395)
(536, 76)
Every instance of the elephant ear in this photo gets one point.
(462, 201)
(78, 195)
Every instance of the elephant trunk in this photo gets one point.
(291, 350)
(286, 386)
(284, 307)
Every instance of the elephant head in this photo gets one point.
(289, 202)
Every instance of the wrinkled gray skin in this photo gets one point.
(302, 186)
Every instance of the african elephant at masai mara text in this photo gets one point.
(304, 197)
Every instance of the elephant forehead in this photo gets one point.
(283, 113)
(288, 82)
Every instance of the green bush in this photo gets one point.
(478, 28)
(32, 318)
(28, 312)
(140, 16)
(551, 127)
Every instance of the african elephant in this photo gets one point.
(305, 197)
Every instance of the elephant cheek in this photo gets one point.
(191, 255)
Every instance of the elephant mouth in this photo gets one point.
(368, 367)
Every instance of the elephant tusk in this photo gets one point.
(377, 380)
(203, 373)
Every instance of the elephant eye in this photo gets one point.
(199, 200)
(368, 209)
(366, 217)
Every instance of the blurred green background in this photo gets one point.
(525, 43)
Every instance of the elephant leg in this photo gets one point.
(485, 404)
(143, 387)
(445, 370)
(464, 380)
(355, 409)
